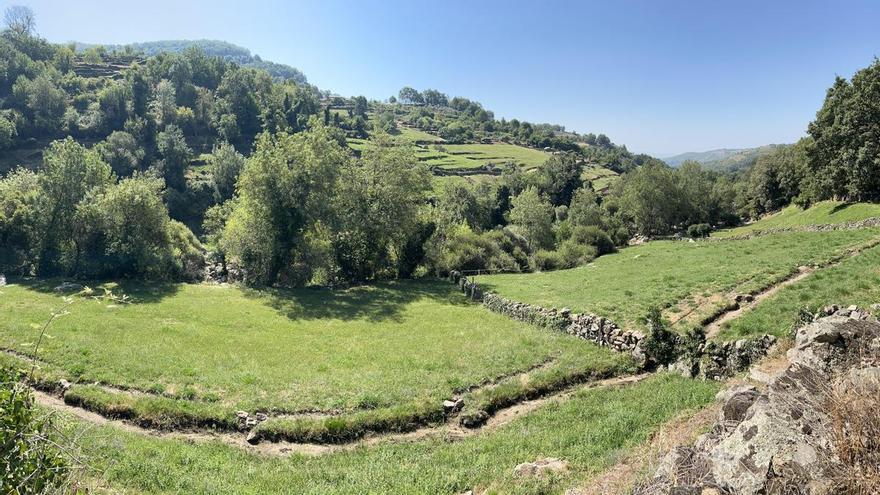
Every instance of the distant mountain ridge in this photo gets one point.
(214, 48)
(724, 159)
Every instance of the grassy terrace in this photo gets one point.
(417, 136)
(855, 281)
(824, 213)
(624, 285)
(589, 430)
(385, 356)
(602, 178)
(473, 156)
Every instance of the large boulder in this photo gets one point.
(779, 439)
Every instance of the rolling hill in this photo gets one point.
(725, 159)
(214, 48)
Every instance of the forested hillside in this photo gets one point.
(212, 48)
(114, 158)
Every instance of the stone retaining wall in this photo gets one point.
(596, 329)
(713, 360)
(861, 224)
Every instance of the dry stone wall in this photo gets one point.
(711, 360)
(861, 224)
(597, 329)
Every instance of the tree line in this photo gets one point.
(262, 171)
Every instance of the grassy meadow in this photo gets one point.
(855, 280)
(590, 430)
(824, 213)
(601, 178)
(624, 285)
(475, 156)
(197, 353)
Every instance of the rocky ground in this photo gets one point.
(811, 429)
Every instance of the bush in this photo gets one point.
(20, 221)
(593, 236)
(8, 132)
(544, 260)
(29, 459)
(464, 249)
(699, 230)
(572, 254)
(660, 345)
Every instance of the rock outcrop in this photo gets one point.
(780, 440)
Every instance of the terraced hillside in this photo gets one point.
(793, 217)
(693, 278)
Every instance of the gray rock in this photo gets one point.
(253, 437)
(778, 438)
(453, 405)
(737, 402)
(540, 467)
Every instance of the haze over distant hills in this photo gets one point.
(728, 159)
(214, 48)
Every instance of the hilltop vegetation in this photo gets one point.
(212, 48)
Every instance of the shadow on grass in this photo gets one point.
(381, 302)
(140, 292)
(840, 207)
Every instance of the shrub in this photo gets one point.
(660, 345)
(593, 236)
(464, 249)
(572, 254)
(699, 230)
(29, 459)
(7, 133)
(544, 260)
(20, 221)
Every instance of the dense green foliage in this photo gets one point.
(74, 218)
(839, 160)
(30, 460)
(293, 186)
(212, 48)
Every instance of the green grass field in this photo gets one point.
(855, 281)
(413, 135)
(824, 213)
(590, 430)
(624, 285)
(474, 156)
(601, 178)
(201, 352)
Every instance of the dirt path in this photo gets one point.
(713, 328)
(450, 430)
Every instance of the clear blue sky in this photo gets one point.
(660, 77)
